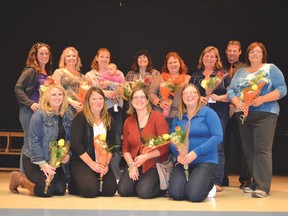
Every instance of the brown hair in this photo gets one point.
(131, 109)
(183, 107)
(135, 66)
(234, 42)
(32, 60)
(104, 115)
(252, 46)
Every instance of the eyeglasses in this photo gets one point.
(139, 97)
(255, 52)
(190, 93)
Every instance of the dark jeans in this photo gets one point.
(232, 130)
(199, 183)
(37, 176)
(116, 159)
(257, 135)
(86, 183)
(219, 172)
(147, 186)
(25, 115)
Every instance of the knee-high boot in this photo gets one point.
(18, 178)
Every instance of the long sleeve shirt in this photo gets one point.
(274, 79)
(205, 135)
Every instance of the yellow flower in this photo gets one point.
(165, 136)
(102, 137)
(254, 87)
(58, 164)
(61, 142)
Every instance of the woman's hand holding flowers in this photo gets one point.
(96, 167)
(204, 100)
(65, 159)
(191, 156)
(48, 169)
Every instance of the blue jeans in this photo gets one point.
(219, 172)
(25, 115)
(199, 183)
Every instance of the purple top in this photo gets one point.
(35, 95)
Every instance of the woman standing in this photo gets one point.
(69, 76)
(173, 73)
(205, 133)
(38, 67)
(141, 177)
(258, 128)
(51, 122)
(93, 121)
(99, 68)
(210, 67)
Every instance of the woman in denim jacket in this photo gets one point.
(51, 122)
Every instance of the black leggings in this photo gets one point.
(37, 176)
(147, 186)
(86, 183)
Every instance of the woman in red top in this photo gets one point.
(141, 177)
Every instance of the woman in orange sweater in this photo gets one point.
(141, 177)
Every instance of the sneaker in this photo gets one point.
(259, 194)
(212, 192)
(248, 190)
(243, 185)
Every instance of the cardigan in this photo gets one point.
(156, 126)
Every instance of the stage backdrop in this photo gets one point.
(126, 26)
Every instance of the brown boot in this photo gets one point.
(26, 183)
(15, 181)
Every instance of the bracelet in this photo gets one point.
(130, 166)
(41, 165)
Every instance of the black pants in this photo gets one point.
(147, 186)
(86, 183)
(243, 170)
(37, 176)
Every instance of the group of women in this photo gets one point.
(193, 105)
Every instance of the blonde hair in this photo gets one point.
(131, 109)
(44, 100)
(64, 55)
(104, 114)
(218, 64)
(183, 107)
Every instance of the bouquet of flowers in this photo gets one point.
(178, 139)
(126, 89)
(167, 91)
(83, 89)
(102, 150)
(43, 87)
(211, 84)
(154, 143)
(58, 151)
(249, 93)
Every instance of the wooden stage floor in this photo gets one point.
(232, 201)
